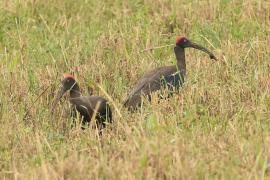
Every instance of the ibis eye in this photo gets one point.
(185, 40)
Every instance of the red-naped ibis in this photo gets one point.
(87, 106)
(170, 77)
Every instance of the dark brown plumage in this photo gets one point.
(87, 106)
(169, 77)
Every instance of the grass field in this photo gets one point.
(217, 127)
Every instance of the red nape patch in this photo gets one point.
(179, 38)
(68, 75)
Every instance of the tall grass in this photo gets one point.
(217, 127)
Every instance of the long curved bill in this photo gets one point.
(59, 95)
(199, 47)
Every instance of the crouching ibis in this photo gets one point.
(89, 107)
(169, 77)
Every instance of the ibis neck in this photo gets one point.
(181, 59)
(75, 91)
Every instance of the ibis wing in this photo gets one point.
(103, 109)
(83, 106)
(150, 82)
(86, 105)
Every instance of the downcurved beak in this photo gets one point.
(59, 95)
(199, 47)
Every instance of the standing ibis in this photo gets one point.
(89, 107)
(169, 77)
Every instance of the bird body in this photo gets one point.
(154, 80)
(89, 107)
(169, 77)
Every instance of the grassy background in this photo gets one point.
(217, 127)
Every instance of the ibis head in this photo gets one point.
(182, 42)
(68, 83)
